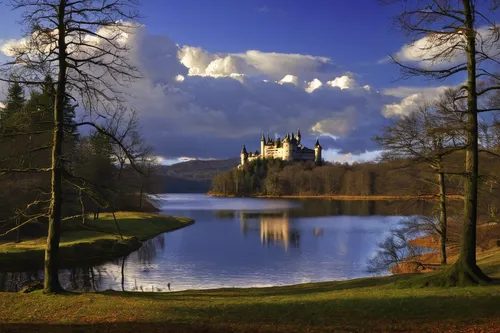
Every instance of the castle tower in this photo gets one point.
(287, 148)
(262, 146)
(298, 136)
(244, 155)
(317, 152)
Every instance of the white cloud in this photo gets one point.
(334, 155)
(290, 79)
(338, 125)
(195, 103)
(313, 85)
(411, 98)
(432, 51)
(275, 65)
(342, 82)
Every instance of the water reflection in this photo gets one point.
(275, 229)
(243, 243)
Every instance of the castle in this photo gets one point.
(288, 149)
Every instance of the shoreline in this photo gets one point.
(94, 243)
(354, 305)
(343, 197)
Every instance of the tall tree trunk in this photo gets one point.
(82, 206)
(51, 280)
(141, 193)
(465, 270)
(18, 231)
(442, 216)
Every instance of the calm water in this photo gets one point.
(244, 242)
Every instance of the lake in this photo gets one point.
(245, 242)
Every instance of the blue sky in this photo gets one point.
(218, 73)
(354, 34)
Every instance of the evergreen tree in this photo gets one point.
(14, 103)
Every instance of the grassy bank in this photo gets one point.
(95, 241)
(362, 305)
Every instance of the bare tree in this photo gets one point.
(425, 136)
(82, 44)
(395, 249)
(454, 37)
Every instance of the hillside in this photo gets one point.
(194, 176)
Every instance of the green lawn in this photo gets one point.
(362, 305)
(95, 240)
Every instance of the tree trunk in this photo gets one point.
(82, 206)
(141, 193)
(442, 216)
(465, 270)
(51, 279)
(18, 231)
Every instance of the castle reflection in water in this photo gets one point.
(275, 229)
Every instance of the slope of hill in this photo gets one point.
(194, 176)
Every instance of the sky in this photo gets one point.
(218, 73)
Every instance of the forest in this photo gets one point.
(97, 175)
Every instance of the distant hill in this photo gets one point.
(194, 176)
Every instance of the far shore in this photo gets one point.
(345, 197)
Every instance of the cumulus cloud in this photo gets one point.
(432, 52)
(338, 125)
(313, 85)
(195, 103)
(342, 82)
(411, 98)
(275, 65)
(289, 79)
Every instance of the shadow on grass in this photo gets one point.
(119, 327)
(401, 313)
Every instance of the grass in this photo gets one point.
(361, 305)
(94, 241)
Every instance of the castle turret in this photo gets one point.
(286, 148)
(298, 136)
(317, 152)
(262, 146)
(244, 155)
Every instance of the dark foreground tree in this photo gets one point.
(81, 44)
(452, 37)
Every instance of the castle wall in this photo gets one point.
(304, 155)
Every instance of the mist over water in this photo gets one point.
(244, 242)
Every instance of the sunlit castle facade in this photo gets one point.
(288, 149)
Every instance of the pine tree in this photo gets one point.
(15, 103)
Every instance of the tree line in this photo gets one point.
(97, 175)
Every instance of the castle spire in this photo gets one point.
(244, 150)
(317, 143)
(263, 137)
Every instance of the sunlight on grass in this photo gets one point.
(95, 236)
